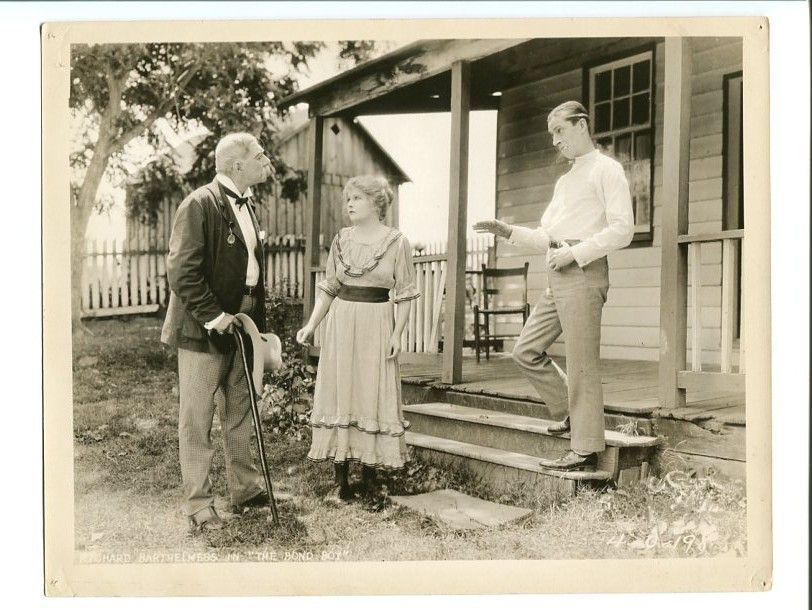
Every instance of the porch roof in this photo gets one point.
(417, 77)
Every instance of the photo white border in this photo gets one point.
(789, 97)
(64, 577)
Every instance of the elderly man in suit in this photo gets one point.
(215, 269)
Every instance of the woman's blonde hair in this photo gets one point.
(376, 188)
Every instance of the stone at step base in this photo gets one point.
(502, 472)
(459, 511)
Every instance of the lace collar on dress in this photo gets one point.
(344, 251)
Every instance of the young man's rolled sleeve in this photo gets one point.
(584, 253)
(534, 239)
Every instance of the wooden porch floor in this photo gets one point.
(629, 387)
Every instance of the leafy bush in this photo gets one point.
(287, 394)
(283, 315)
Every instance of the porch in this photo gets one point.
(706, 434)
(676, 310)
(630, 388)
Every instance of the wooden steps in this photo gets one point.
(439, 415)
(707, 435)
(502, 471)
(511, 444)
(415, 394)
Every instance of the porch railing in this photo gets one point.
(732, 316)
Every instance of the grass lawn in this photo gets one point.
(128, 498)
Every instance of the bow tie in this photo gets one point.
(240, 201)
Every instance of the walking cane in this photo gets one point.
(257, 424)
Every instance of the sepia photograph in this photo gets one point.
(394, 293)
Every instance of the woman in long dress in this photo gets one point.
(357, 409)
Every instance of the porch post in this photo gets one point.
(674, 264)
(454, 320)
(312, 259)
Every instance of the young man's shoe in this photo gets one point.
(559, 427)
(571, 461)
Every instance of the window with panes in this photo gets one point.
(622, 115)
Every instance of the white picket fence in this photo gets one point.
(120, 278)
(284, 265)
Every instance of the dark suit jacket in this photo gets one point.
(206, 274)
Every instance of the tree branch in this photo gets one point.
(160, 110)
(114, 87)
(101, 148)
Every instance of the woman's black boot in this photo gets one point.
(368, 479)
(342, 472)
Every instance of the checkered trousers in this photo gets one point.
(207, 379)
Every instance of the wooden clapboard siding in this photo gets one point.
(527, 169)
(648, 276)
(649, 316)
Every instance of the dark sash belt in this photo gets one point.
(363, 294)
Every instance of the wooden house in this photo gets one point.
(349, 150)
(670, 109)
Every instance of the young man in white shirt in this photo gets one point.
(589, 215)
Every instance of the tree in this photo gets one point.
(352, 52)
(119, 91)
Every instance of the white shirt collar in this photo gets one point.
(229, 184)
(586, 156)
